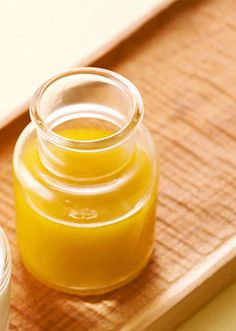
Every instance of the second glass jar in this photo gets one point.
(5, 278)
(86, 183)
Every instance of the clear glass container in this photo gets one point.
(86, 183)
(5, 277)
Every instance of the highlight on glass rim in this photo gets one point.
(117, 165)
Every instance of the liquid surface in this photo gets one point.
(83, 133)
(92, 228)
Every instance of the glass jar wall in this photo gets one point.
(5, 276)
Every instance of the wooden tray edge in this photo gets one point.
(205, 281)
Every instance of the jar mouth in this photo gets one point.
(7, 263)
(102, 143)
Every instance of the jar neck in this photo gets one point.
(85, 164)
(86, 120)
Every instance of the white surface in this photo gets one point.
(41, 38)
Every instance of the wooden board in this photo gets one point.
(183, 63)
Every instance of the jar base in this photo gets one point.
(91, 291)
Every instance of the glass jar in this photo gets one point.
(5, 276)
(85, 183)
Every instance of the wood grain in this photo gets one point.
(183, 62)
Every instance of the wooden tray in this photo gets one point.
(183, 63)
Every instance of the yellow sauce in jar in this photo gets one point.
(91, 240)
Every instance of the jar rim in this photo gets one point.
(5, 277)
(102, 143)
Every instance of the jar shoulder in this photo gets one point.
(97, 197)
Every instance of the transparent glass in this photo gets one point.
(86, 183)
(5, 276)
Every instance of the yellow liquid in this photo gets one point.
(86, 243)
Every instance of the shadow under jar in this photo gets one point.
(86, 183)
